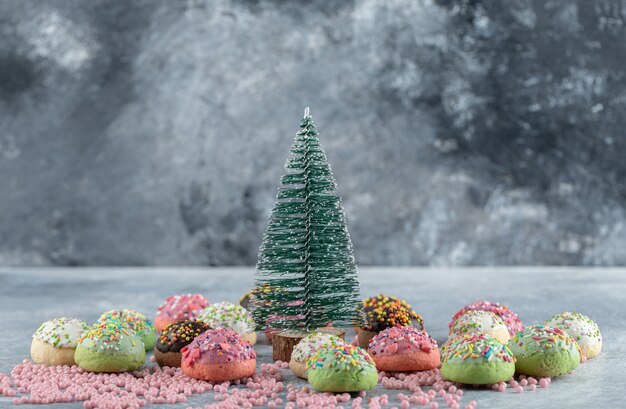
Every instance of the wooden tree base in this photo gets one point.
(364, 338)
(284, 341)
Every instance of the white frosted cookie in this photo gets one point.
(230, 316)
(476, 322)
(307, 347)
(55, 341)
(580, 327)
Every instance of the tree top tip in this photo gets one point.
(306, 112)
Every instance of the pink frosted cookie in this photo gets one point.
(179, 308)
(218, 355)
(512, 321)
(404, 349)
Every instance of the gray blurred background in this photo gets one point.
(460, 132)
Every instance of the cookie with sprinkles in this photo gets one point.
(477, 359)
(585, 332)
(179, 308)
(231, 316)
(545, 351)
(217, 355)
(136, 321)
(382, 312)
(110, 346)
(55, 341)
(343, 368)
(307, 347)
(175, 337)
(480, 322)
(512, 321)
(404, 349)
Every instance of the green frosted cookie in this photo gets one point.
(477, 360)
(342, 368)
(110, 346)
(143, 327)
(544, 351)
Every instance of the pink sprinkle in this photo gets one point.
(543, 382)
(519, 389)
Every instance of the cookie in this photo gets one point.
(544, 351)
(231, 316)
(175, 337)
(143, 327)
(477, 360)
(308, 347)
(179, 308)
(54, 342)
(218, 355)
(480, 322)
(110, 346)
(404, 349)
(512, 321)
(382, 312)
(585, 332)
(343, 368)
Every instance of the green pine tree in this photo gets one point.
(306, 258)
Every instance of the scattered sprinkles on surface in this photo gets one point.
(40, 384)
(61, 332)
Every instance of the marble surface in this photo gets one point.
(31, 295)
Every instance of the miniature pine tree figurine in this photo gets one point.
(306, 257)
